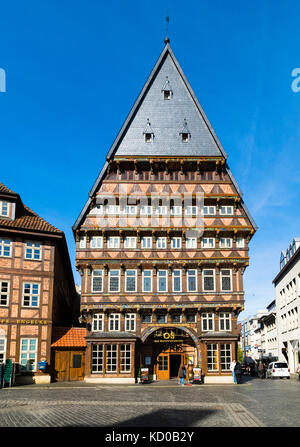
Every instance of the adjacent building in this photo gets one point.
(287, 297)
(37, 288)
(162, 242)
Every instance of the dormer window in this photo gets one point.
(167, 94)
(185, 133)
(167, 89)
(185, 137)
(148, 132)
(4, 209)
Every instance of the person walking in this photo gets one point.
(181, 375)
(232, 366)
(298, 371)
(261, 370)
(238, 372)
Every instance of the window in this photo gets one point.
(130, 322)
(176, 242)
(114, 322)
(226, 210)
(176, 280)
(209, 280)
(111, 358)
(240, 242)
(28, 354)
(162, 281)
(185, 137)
(148, 137)
(145, 210)
(98, 323)
(130, 210)
(5, 247)
(130, 242)
(176, 210)
(96, 242)
(209, 210)
(146, 242)
(212, 357)
(191, 318)
(112, 209)
(208, 242)
(33, 251)
(31, 294)
(4, 293)
(161, 242)
(97, 358)
(2, 349)
(192, 280)
(114, 281)
(176, 318)
(161, 318)
(82, 242)
(191, 210)
(225, 356)
(125, 358)
(167, 94)
(225, 322)
(161, 210)
(113, 242)
(146, 318)
(97, 281)
(226, 282)
(130, 280)
(207, 320)
(191, 242)
(147, 280)
(4, 209)
(225, 242)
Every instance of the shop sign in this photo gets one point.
(167, 335)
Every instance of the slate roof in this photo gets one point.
(65, 337)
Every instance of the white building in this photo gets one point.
(287, 297)
(251, 335)
(268, 333)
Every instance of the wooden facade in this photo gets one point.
(37, 287)
(161, 289)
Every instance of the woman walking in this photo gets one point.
(232, 366)
(181, 374)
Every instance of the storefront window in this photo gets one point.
(97, 358)
(111, 358)
(212, 357)
(28, 354)
(225, 356)
(125, 358)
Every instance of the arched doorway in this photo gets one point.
(165, 348)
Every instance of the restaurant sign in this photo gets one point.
(168, 335)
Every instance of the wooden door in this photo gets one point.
(76, 369)
(61, 372)
(163, 370)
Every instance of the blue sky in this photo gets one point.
(75, 68)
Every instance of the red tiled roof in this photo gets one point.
(5, 189)
(65, 337)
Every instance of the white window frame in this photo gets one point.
(28, 352)
(31, 249)
(240, 242)
(2, 206)
(188, 274)
(176, 243)
(2, 349)
(114, 276)
(115, 319)
(130, 242)
(130, 322)
(194, 320)
(96, 242)
(161, 315)
(217, 361)
(82, 242)
(147, 277)
(98, 322)
(176, 210)
(129, 210)
(161, 240)
(225, 242)
(226, 318)
(223, 275)
(113, 242)
(146, 242)
(204, 276)
(191, 242)
(207, 210)
(191, 210)
(165, 277)
(131, 276)
(97, 354)
(176, 277)
(4, 244)
(4, 293)
(208, 242)
(30, 295)
(146, 210)
(208, 317)
(97, 274)
(125, 349)
(226, 210)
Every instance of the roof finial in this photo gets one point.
(167, 40)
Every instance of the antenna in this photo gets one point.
(167, 40)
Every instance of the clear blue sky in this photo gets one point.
(74, 69)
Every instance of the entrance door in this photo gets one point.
(163, 372)
(76, 365)
(61, 366)
(69, 365)
(175, 361)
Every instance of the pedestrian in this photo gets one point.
(238, 372)
(181, 374)
(261, 370)
(298, 371)
(232, 366)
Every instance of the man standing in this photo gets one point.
(232, 366)
(181, 375)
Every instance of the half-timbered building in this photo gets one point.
(162, 242)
